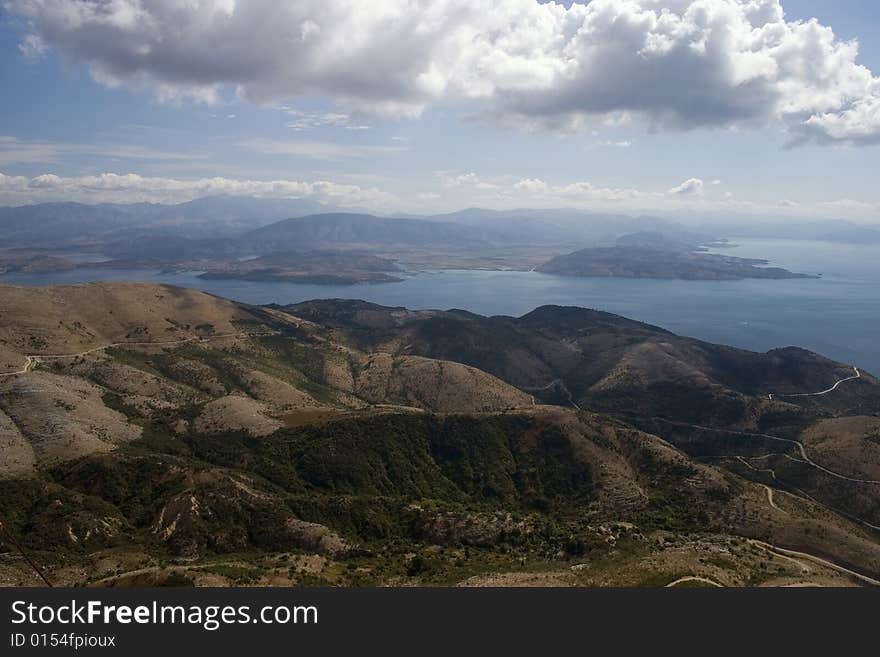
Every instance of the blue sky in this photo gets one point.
(442, 123)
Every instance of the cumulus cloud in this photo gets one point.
(690, 187)
(577, 191)
(501, 193)
(128, 188)
(691, 195)
(459, 179)
(675, 64)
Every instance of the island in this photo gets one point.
(313, 267)
(34, 264)
(642, 257)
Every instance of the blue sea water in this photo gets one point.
(837, 315)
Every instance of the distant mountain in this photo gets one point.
(54, 224)
(234, 212)
(59, 225)
(71, 224)
(785, 228)
(345, 230)
(658, 241)
(569, 227)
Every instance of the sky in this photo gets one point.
(755, 108)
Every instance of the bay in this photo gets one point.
(837, 315)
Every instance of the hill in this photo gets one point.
(154, 435)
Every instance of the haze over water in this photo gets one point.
(836, 315)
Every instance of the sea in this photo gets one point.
(837, 315)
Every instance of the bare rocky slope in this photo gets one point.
(150, 435)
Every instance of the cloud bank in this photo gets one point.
(501, 193)
(130, 188)
(673, 64)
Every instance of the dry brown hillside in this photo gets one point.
(151, 435)
(76, 318)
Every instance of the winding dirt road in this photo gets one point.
(28, 366)
(799, 445)
(32, 360)
(771, 499)
(795, 555)
(555, 383)
(858, 375)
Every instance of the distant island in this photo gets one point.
(313, 267)
(244, 241)
(34, 264)
(656, 256)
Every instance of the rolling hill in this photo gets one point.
(155, 435)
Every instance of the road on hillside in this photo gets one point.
(858, 375)
(796, 443)
(32, 360)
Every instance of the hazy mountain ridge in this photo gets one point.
(359, 230)
(217, 234)
(70, 224)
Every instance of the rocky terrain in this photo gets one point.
(154, 435)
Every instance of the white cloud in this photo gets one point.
(858, 124)
(848, 204)
(532, 186)
(576, 192)
(130, 188)
(33, 46)
(458, 179)
(499, 193)
(690, 187)
(676, 64)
